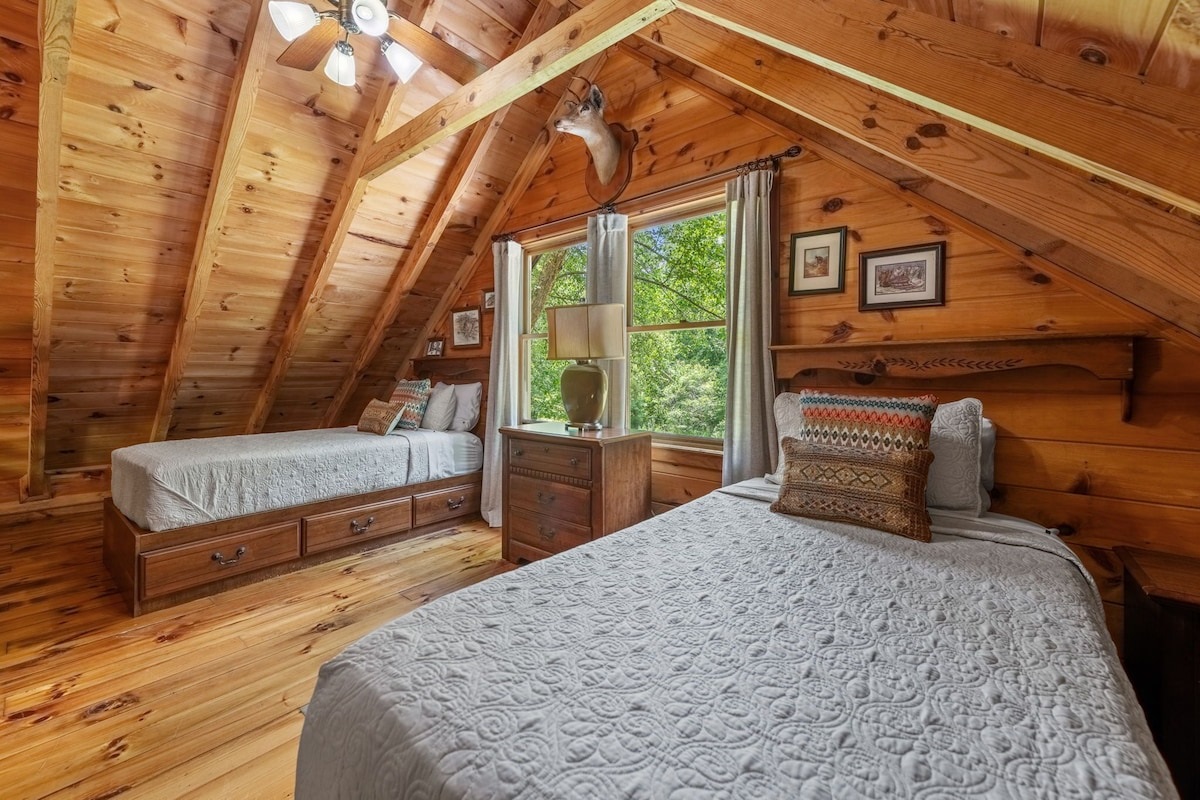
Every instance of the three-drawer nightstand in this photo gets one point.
(564, 487)
(1162, 654)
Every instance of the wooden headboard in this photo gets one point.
(1108, 358)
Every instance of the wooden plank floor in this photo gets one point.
(198, 701)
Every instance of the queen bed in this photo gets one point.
(724, 650)
(855, 624)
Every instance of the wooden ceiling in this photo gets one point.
(199, 241)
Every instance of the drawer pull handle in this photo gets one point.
(574, 462)
(546, 533)
(356, 529)
(455, 504)
(545, 499)
(518, 452)
(224, 562)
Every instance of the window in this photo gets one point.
(677, 360)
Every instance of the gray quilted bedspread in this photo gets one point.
(724, 651)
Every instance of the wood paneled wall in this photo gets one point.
(1064, 457)
(18, 205)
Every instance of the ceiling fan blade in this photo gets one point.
(433, 51)
(307, 51)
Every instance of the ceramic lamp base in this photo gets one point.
(585, 394)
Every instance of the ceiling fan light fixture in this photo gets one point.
(401, 59)
(371, 16)
(340, 66)
(293, 19)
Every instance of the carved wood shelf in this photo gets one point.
(1107, 357)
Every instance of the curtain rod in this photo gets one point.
(771, 161)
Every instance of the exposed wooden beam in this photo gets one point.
(466, 165)
(1116, 126)
(238, 112)
(387, 103)
(56, 23)
(1019, 240)
(586, 33)
(1157, 247)
(530, 168)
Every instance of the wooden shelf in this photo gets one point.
(1108, 357)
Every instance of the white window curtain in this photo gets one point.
(503, 402)
(750, 444)
(608, 282)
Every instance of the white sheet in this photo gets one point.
(165, 485)
(721, 650)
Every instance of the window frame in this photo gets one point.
(693, 207)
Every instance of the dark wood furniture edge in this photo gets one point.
(1133, 560)
(1106, 356)
(125, 541)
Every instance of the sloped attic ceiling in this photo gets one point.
(212, 261)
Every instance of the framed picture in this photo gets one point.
(489, 299)
(818, 262)
(435, 347)
(465, 327)
(902, 277)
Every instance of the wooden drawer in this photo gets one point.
(546, 533)
(337, 528)
(558, 500)
(457, 501)
(174, 568)
(562, 459)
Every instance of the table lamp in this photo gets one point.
(584, 334)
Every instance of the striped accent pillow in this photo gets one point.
(867, 421)
(413, 396)
(878, 489)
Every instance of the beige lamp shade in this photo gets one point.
(586, 332)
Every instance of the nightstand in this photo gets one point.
(1162, 654)
(564, 487)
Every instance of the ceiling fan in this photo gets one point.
(314, 34)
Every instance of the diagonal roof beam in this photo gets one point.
(56, 22)
(466, 165)
(251, 62)
(1119, 127)
(1023, 242)
(568, 44)
(387, 103)
(1155, 246)
(530, 168)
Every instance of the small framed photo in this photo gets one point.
(818, 262)
(903, 277)
(435, 347)
(465, 326)
(489, 299)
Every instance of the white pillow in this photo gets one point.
(466, 414)
(439, 412)
(789, 419)
(987, 455)
(955, 477)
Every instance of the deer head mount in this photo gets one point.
(610, 145)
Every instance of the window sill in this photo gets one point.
(668, 442)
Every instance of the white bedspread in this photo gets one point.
(721, 650)
(164, 485)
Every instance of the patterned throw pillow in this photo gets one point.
(380, 417)
(413, 396)
(870, 422)
(881, 489)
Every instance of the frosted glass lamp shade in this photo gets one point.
(585, 333)
(291, 19)
(403, 62)
(370, 16)
(340, 66)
